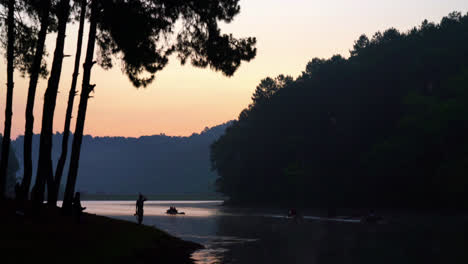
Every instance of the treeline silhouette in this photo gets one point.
(385, 127)
(158, 164)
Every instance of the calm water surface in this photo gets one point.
(248, 236)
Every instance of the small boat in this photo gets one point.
(372, 218)
(173, 211)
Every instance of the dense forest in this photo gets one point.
(157, 164)
(386, 127)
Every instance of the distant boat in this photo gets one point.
(173, 211)
(373, 219)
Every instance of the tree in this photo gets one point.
(145, 50)
(25, 52)
(45, 170)
(13, 167)
(359, 45)
(268, 87)
(43, 8)
(71, 97)
(9, 98)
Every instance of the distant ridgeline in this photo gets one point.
(159, 165)
(386, 127)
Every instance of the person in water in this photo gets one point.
(77, 208)
(292, 212)
(295, 215)
(139, 208)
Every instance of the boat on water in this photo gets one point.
(372, 219)
(173, 211)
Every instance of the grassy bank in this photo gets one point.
(53, 238)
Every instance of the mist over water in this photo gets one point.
(248, 236)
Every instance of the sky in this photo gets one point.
(184, 100)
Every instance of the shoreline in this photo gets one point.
(54, 238)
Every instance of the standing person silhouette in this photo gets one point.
(139, 208)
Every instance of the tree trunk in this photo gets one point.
(9, 97)
(71, 96)
(35, 68)
(44, 171)
(85, 91)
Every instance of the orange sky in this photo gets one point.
(184, 99)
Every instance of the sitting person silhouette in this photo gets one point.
(76, 206)
(17, 195)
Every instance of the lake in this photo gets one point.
(252, 236)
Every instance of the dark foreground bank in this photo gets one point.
(54, 238)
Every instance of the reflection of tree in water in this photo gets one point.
(282, 241)
(342, 243)
(279, 240)
(392, 243)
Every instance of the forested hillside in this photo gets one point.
(385, 127)
(159, 164)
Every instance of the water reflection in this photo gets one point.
(252, 237)
(153, 208)
(209, 256)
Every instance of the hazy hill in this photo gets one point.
(156, 164)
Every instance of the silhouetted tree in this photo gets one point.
(9, 98)
(45, 170)
(146, 49)
(42, 7)
(26, 38)
(268, 87)
(71, 97)
(13, 167)
(359, 45)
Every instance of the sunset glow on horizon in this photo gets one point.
(184, 100)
